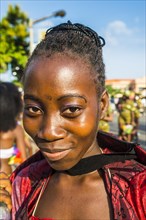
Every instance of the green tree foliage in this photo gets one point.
(113, 91)
(14, 46)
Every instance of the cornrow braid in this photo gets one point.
(78, 27)
(76, 40)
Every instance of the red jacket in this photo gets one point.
(125, 182)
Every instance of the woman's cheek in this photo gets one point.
(31, 126)
(85, 127)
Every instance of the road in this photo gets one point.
(141, 131)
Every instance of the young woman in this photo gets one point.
(11, 132)
(78, 172)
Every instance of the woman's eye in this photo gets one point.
(33, 111)
(72, 112)
(72, 109)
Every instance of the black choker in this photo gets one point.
(90, 164)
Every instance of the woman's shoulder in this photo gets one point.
(19, 129)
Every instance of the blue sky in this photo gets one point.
(121, 23)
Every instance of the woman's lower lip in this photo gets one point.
(57, 155)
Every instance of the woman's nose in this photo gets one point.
(51, 128)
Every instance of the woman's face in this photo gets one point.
(62, 111)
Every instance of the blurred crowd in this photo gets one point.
(129, 106)
(16, 146)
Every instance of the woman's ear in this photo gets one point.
(104, 103)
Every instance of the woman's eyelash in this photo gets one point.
(33, 109)
(73, 109)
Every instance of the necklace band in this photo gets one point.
(90, 164)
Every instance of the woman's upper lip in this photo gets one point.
(53, 150)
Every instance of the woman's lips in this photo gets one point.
(54, 156)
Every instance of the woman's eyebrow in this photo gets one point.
(72, 95)
(27, 96)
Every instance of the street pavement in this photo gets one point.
(141, 131)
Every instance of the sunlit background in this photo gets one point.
(121, 23)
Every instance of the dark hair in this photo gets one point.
(76, 40)
(10, 106)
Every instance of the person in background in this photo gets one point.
(135, 100)
(12, 138)
(78, 172)
(139, 110)
(104, 123)
(128, 119)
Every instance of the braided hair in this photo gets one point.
(75, 40)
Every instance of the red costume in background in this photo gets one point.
(125, 182)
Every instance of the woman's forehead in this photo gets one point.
(60, 67)
(63, 76)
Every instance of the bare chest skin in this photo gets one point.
(73, 198)
(7, 139)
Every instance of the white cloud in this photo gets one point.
(125, 50)
(116, 30)
(119, 27)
